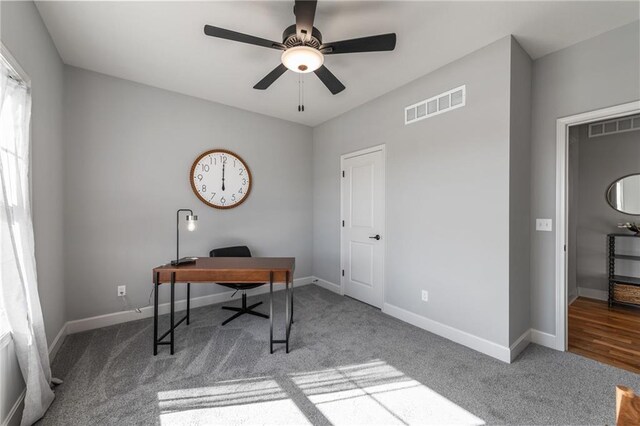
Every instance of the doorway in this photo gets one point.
(595, 150)
(562, 144)
(362, 237)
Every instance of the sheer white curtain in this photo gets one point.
(18, 280)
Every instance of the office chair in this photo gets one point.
(238, 251)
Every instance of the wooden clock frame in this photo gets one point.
(195, 190)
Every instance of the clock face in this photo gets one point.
(220, 179)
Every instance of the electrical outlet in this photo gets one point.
(425, 296)
(122, 290)
(544, 225)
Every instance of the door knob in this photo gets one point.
(377, 237)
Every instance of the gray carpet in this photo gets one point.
(349, 364)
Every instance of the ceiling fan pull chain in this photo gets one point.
(300, 106)
(302, 94)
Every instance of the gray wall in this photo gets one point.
(128, 154)
(596, 73)
(25, 35)
(519, 192)
(447, 194)
(602, 161)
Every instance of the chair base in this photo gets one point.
(243, 310)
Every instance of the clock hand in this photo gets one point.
(223, 177)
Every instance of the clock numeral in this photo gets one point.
(224, 160)
(222, 200)
(204, 188)
(244, 181)
(210, 160)
(240, 191)
(241, 172)
(233, 197)
(199, 177)
(205, 167)
(214, 194)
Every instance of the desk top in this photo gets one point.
(228, 269)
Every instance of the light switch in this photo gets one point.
(543, 225)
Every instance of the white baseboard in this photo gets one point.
(85, 324)
(543, 339)
(479, 344)
(327, 285)
(15, 414)
(520, 344)
(54, 347)
(572, 299)
(593, 293)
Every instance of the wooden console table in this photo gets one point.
(205, 270)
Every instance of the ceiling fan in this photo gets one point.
(303, 49)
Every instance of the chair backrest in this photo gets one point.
(236, 251)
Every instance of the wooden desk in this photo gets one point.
(272, 270)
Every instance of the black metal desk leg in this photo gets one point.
(188, 300)
(271, 312)
(155, 313)
(287, 319)
(173, 298)
(291, 298)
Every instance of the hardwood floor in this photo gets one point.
(611, 336)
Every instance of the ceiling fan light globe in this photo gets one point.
(302, 59)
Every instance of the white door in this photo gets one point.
(363, 238)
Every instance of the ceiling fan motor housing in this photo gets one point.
(290, 38)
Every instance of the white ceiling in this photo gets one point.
(162, 44)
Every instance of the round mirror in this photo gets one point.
(624, 194)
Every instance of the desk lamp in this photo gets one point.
(191, 226)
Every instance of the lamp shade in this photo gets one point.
(302, 59)
(191, 222)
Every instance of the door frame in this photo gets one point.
(562, 213)
(344, 157)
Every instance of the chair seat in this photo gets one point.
(238, 251)
(242, 286)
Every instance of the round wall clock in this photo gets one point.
(220, 179)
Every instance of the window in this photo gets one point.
(14, 163)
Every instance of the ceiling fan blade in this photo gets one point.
(271, 77)
(377, 43)
(242, 38)
(329, 80)
(305, 11)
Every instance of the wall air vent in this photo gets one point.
(619, 125)
(444, 102)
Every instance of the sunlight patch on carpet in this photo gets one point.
(247, 401)
(376, 393)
